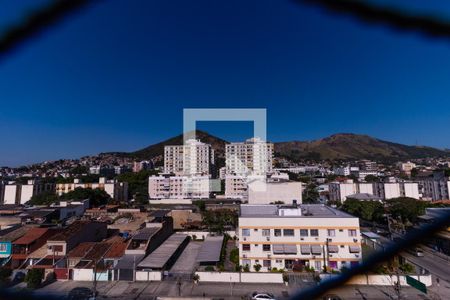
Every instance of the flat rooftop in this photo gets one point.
(158, 258)
(210, 250)
(307, 211)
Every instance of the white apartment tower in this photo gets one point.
(253, 156)
(192, 158)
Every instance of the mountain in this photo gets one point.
(158, 149)
(348, 146)
(342, 146)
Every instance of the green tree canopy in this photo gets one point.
(97, 197)
(45, 198)
(310, 194)
(137, 184)
(406, 209)
(367, 210)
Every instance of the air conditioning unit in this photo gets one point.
(330, 240)
(313, 256)
(317, 238)
(245, 239)
(268, 238)
(244, 255)
(302, 239)
(356, 255)
(355, 240)
(269, 256)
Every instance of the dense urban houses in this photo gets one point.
(116, 190)
(295, 236)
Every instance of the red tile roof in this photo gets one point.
(30, 236)
(81, 250)
(117, 250)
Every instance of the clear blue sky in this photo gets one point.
(117, 76)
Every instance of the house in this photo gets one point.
(32, 240)
(6, 243)
(79, 231)
(144, 242)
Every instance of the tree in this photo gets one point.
(257, 267)
(5, 275)
(216, 220)
(137, 183)
(45, 198)
(34, 278)
(310, 194)
(367, 210)
(97, 197)
(406, 209)
(371, 178)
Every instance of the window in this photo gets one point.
(352, 232)
(246, 247)
(318, 265)
(303, 232)
(266, 232)
(245, 232)
(277, 232)
(288, 232)
(3, 247)
(266, 247)
(314, 232)
(267, 263)
(279, 261)
(331, 232)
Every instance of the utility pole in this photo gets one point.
(95, 278)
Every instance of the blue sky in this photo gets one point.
(117, 76)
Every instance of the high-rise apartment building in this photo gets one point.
(252, 157)
(192, 158)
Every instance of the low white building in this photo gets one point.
(277, 191)
(116, 190)
(384, 190)
(16, 193)
(179, 187)
(289, 237)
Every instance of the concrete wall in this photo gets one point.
(275, 191)
(83, 274)
(240, 277)
(148, 276)
(385, 280)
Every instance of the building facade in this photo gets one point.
(192, 158)
(179, 187)
(16, 193)
(293, 237)
(253, 156)
(116, 190)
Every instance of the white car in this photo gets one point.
(262, 296)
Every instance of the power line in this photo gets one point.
(36, 22)
(395, 18)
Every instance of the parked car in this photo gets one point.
(262, 296)
(417, 252)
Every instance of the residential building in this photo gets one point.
(435, 188)
(296, 236)
(179, 187)
(252, 157)
(142, 165)
(407, 167)
(16, 193)
(383, 190)
(116, 190)
(274, 192)
(74, 234)
(191, 159)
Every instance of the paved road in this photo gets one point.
(149, 290)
